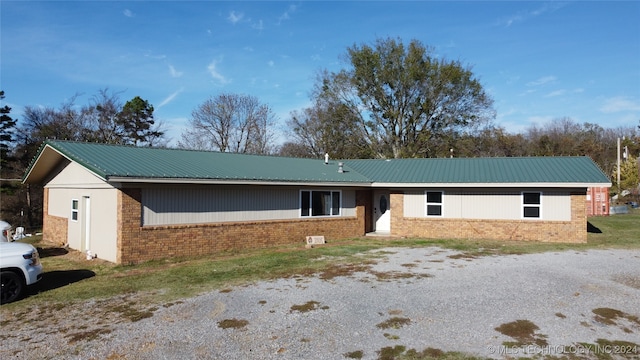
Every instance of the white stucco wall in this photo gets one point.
(76, 183)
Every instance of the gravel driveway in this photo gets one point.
(428, 299)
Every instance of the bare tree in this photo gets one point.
(102, 115)
(230, 123)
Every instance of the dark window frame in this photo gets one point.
(531, 205)
(75, 206)
(434, 203)
(320, 203)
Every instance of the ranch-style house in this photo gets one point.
(129, 204)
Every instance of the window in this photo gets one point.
(531, 204)
(320, 203)
(434, 203)
(74, 210)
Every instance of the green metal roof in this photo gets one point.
(482, 170)
(128, 163)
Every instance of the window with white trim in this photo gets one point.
(434, 203)
(74, 209)
(531, 202)
(320, 203)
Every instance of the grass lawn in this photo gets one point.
(70, 278)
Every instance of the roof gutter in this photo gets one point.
(137, 180)
(493, 185)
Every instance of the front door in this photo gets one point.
(86, 223)
(381, 211)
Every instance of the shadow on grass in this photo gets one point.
(56, 279)
(593, 229)
(49, 252)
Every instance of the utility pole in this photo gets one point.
(618, 164)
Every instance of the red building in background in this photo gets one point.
(598, 201)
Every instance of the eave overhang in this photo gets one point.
(47, 160)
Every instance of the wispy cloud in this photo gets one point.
(170, 98)
(215, 74)
(620, 104)
(271, 63)
(128, 13)
(287, 14)
(235, 17)
(542, 81)
(561, 92)
(529, 14)
(556, 93)
(258, 25)
(174, 73)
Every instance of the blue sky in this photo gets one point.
(538, 60)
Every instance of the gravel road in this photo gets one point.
(428, 299)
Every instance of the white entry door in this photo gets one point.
(381, 211)
(86, 223)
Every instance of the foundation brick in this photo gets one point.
(573, 231)
(55, 229)
(138, 243)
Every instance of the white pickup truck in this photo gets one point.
(19, 267)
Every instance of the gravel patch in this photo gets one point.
(418, 298)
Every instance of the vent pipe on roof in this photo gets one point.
(340, 167)
(326, 158)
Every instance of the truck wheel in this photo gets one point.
(12, 286)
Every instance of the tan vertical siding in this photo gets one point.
(202, 205)
(138, 243)
(481, 205)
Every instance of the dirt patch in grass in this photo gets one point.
(617, 318)
(87, 335)
(399, 352)
(394, 323)
(390, 353)
(337, 270)
(358, 354)
(397, 275)
(524, 332)
(628, 280)
(232, 323)
(465, 256)
(610, 316)
(308, 306)
(132, 312)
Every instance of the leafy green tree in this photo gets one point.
(137, 122)
(629, 177)
(7, 164)
(7, 130)
(408, 102)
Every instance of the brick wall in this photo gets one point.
(55, 229)
(137, 243)
(574, 231)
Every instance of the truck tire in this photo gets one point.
(12, 286)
